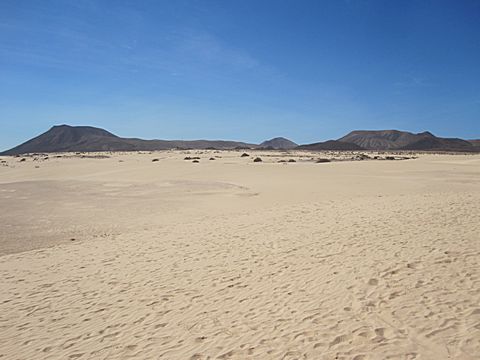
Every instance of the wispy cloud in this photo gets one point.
(134, 43)
(207, 48)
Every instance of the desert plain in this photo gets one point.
(150, 256)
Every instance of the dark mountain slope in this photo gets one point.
(330, 145)
(475, 142)
(440, 144)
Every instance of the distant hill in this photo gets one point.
(403, 140)
(278, 143)
(65, 138)
(330, 145)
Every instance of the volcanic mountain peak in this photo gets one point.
(379, 139)
(79, 130)
(278, 143)
(403, 140)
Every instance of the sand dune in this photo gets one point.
(228, 259)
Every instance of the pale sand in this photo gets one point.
(231, 259)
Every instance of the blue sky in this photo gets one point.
(243, 70)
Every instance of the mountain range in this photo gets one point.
(65, 138)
